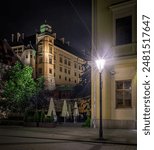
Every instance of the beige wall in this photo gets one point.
(120, 60)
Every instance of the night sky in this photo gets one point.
(70, 19)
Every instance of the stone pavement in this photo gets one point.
(65, 138)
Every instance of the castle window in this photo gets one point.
(60, 69)
(65, 61)
(123, 94)
(50, 49)
(40, 60)
(40, 48)
(50, 60)
(69, 72)
(50, 70)
(61, 60)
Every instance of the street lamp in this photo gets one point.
(100, 65)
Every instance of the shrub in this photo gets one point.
(36, 116)
(42, 116)
(87, 122)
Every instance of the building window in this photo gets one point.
(69, 63)
(50, 60)
(50, 70)
(69, 79)
(54, 66)
(40, 70)
(50, 49)
(75, 81)
(65, 78)
(40, 60)
(54, 57)
(40, 48)
(31, 56)
(65, 70)
(26, 56)
(124, 30)
(69, 72)
(59, 76)
(74, 73)
(60, 69)
(79, 67)
(61, 60)
(65, 61)
(123, 94)
(75, 65)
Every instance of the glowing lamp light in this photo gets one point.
(100, 64)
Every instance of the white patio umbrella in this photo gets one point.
(51, 109)
(64, 110)
(75, 111)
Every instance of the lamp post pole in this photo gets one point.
(100, 65)
(100, 125)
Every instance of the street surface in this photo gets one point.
(64, 138)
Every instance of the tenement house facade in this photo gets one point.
(114, 28)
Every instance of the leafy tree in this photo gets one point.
(19, 87)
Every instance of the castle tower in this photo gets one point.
(45, 58)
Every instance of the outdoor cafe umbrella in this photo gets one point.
(51, 110)
(64, 110)
(75, 111)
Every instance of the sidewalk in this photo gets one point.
(116, 136)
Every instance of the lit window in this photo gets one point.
(123, 94)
